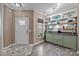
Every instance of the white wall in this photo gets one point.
(36, 15)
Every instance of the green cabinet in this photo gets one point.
(59, 39)
(49, 37)
(63, 40)
(54, 40)
(69, 41)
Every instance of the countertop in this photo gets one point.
(64, 33)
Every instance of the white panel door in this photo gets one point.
(21, 30)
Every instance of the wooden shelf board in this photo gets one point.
(69, 23)
(70, 29)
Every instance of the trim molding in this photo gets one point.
(2, 26)
(78, 52)
(38, 11)
(8, 46)
(38, 42)
(30, 44)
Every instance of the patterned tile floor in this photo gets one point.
(17, 50)
(47, 49)
(42, 49)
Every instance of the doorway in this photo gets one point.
(21, 30)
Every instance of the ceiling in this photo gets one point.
(44, 7)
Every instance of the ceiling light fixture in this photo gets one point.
(18, 5)
(57, 6)
(52, 10)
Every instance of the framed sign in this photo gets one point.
(21, 22)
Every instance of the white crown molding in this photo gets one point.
(38, 11)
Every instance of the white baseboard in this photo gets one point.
(7, 46)
(30, 44)
(78, 52)
(38, 42)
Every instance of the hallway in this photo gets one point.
(47, 49)
(23, 26)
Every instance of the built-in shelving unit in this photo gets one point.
(62, 29)
(63, 22)
(67, 37)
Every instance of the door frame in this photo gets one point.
(15, 27)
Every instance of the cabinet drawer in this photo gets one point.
(48, 37)
(60, 42)
(59, 39)
(54, 38)
(69, 41)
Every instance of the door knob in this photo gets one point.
(27, 31)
